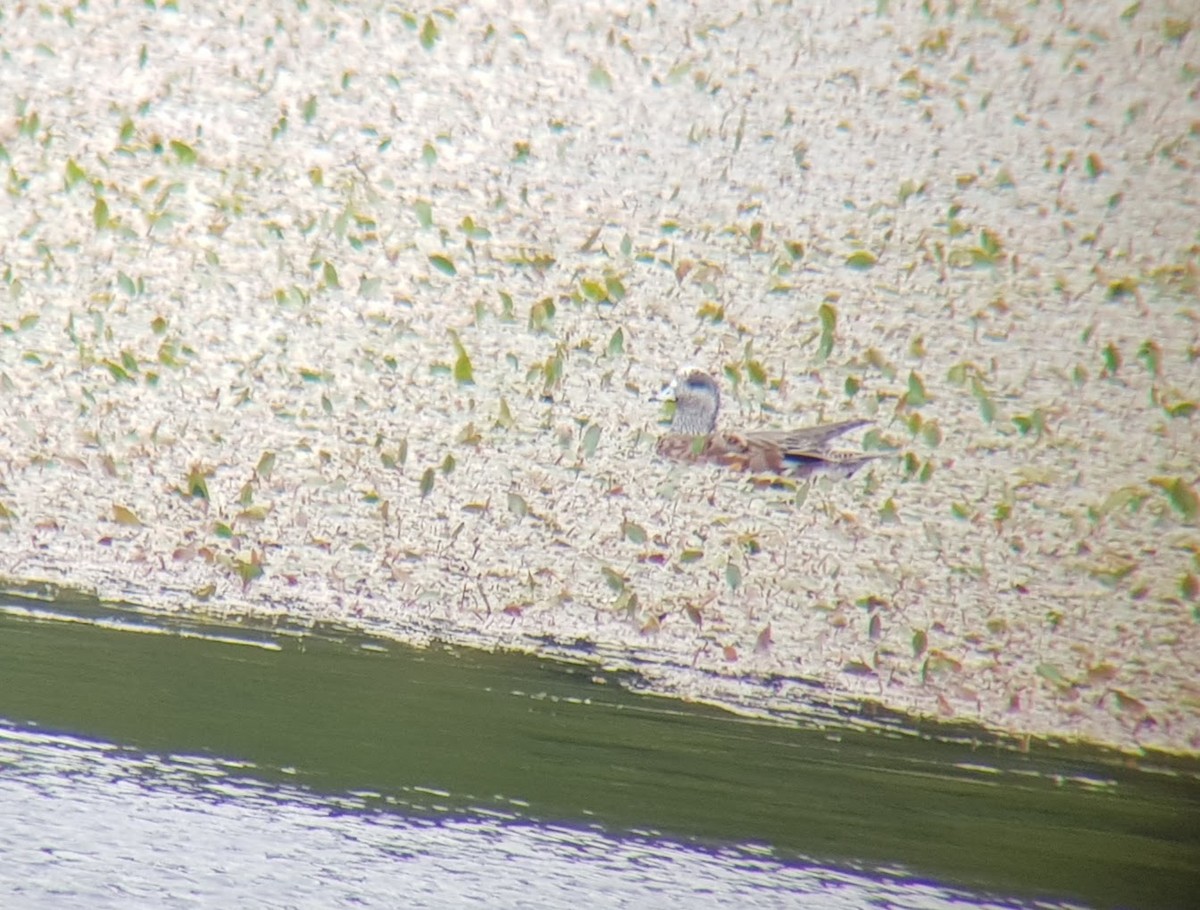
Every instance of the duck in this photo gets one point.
(694, 438)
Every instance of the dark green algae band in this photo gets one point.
(539, 740)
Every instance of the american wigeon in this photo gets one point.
(694, 438)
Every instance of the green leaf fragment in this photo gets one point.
(591, 439)
(916, 395)
(124, 516)
(594, 290)
(1112, 359)
(827, 315)
(517, 505)
(861, 260)
(1150, 354)
(443, 264)
(613, 578)
(429, 33)
(100, 216)
(1180, 494)
(185, 154)
(74, 173)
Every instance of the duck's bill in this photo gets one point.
(666, 393)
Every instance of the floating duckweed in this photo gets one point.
(540, 315)
(117, 371)
(1180, 494)
(1122, 287)
(633, 532)
(591, 439)
(920, 641)
(756, 373)
(472, 230)
(931, 433)
(506, 308)
(861, 260)
(504, 418)
(429, 33)
(733, 576)
(916, 395)
(552, 370)
(888, 514)
(369, 287)
(1053, 675)
(594, 290)
(613, 578)
(987, 407)
(1175, 30)
(124, 516)
(616, 343)
(469, 436)
(184, 153)
(196, 484)
(127, 285)
(827, 314)
(599, 77)
(1183, 408)
(424, 212)
(517, 505)
(1031, 423)
(463, 373)
(427, 482)
(1112, 360)
(73, 174)
(1150, 354)
(627, 603)
(1189, 587)
(100, 215)
(249, 569)
(764, 641)
(937, 663)
(443, 264)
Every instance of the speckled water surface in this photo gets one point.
(354, 313)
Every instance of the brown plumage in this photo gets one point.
(694, 437)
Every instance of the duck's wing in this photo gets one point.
(835, 464)
(807, 441)
(797, 453)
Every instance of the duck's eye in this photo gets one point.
(698, 383)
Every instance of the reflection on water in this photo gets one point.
(86, 824)
(320, 760)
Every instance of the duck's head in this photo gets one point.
(697, 402)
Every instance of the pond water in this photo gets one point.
(152, 761)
